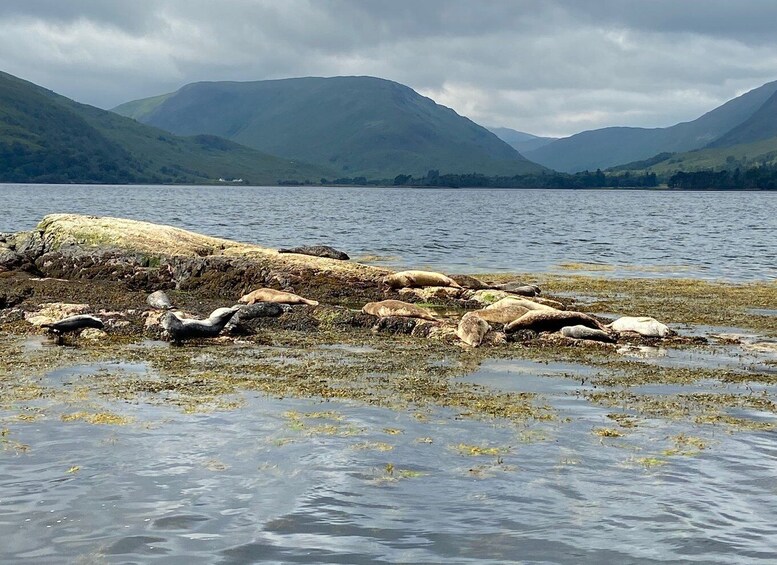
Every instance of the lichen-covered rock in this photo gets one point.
(427, 293)
(53, 311)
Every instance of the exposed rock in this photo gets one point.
(395, 324)
(53, 311)
(93, 334)
(159, 299)
(428, 293)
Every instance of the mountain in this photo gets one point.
(608, 147)
(521, 141)
(761, 125)
(360, 126)
(45, 137)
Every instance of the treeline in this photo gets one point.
(585, 179)
(757, 178)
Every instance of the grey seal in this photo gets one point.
(318, 251)
(73, 324)
(181, 329)
(584, 332)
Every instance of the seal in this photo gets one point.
(159, 300)
(404, 279)
(472, 329)
(241, 322)
(584, 332)
(272, 295)
(394, 308)
(643, 325)
(469, 282)
(552, 321)
(318, 251)
(72, 324)
(180, 329)
(520, 301)
(517, 287)
(502, 312)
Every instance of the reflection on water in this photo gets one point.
(625, 233)
(299, 481)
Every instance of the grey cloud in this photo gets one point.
(545, 66)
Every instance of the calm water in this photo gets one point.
(723, 235)
(361, 484)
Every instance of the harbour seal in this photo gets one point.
(467, 281)
(519, 301)
(472, 329)
(72, 324)
(389, 308)
(180, 329)
(643, 325)
(404, 279)
(241, 322)
(317, 251)
(503, 313)
(272, 295)
(551, 321)
(517, 287)
(159, 300)
(584, 332)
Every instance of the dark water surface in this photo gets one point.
(712, 235)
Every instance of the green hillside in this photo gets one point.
(761, 125)
(357, 125)
(609, 147)
(45, 137)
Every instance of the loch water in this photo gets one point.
(711, 235)
(282, 480)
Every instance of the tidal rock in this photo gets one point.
(159, 300)
(395, 324)
(431, 292)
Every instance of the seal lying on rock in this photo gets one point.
(643, 325)
(519, 301)
(466, 281)
(584, 332)
(241, 322)
(387, 308)
(472, 329)
(552, 321)
(159, 300)
(517, 287)
(502, 312)
(181, 329)
(317, 251)
(404, 279)
(272, 295)
(73, 324)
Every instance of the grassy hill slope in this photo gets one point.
(45, 137)
(356, 125)
(761, 125)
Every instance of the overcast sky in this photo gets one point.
(548, 67)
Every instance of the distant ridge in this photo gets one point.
(609, 147)
(358, 126)
(45, 137)
(521, 141)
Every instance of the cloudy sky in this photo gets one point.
(549, 67)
